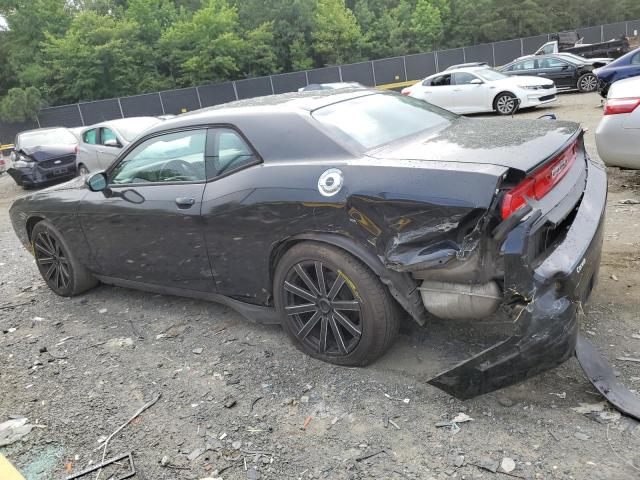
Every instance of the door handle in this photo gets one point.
(185, 202)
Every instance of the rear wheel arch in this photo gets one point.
(402, 286)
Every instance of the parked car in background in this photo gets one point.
(571, 42)
(43, 156)
(618, 134)
(312, 87)
(566, 73)
(466, 65)
(383, 207)
(100, 143)
(624, 67)
(594, 62)
(482, 89)
(5, 156)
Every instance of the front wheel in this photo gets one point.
(332, 306)
(82, 170)
(587, 82)
(59, 268)
(505, 104)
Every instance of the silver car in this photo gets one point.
(101, 143)
(618, 134)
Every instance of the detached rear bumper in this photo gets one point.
(546, 327)
(34, 176)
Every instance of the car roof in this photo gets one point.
(466, 65)
(118, 122)
(460, 69)
(628, 87)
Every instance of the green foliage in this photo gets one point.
(20, 105)
(59, 51)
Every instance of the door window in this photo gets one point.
(635, 60)
(106, 135)
(90, 136)
(526, 65)
(231, 152)
(548, 48)
(463, 78)
(441, 81)
(172, 157)
(551, 63)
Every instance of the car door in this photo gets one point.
(561, 72)
(109, 147)
(146, 226)
(440, 92)
(87, 150)
(470, 97)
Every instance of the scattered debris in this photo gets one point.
(559, 395)
(370, 455)
(581, 436)
(103, 310)
(164, 461)
(195, 454)
(457, 460)
(104, 463)
(614, 277)
(636, 336)
(306, 423)
(394, 424)
(507, 465)
(13, 430)
(197, 351)
(630, 201)
(253, 474)
(462, 418)
(585, 408)
(487, 464)
(118, 343)
(505, 401)
(230, 403)
(628, 359)
(253, 404)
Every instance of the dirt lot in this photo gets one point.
(261, 409)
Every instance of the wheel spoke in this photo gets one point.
(306, 279)
(347, 324)
(43, 248)
(311, 323)
(296, 309)
(335, 288)
(322, 287)
(323, 335)
(49, 242)
(45, 260)
(338, 336)
(50, 272)
(352, 305)
(58, 276)
(65, 272)
(290, 287)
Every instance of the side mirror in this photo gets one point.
(112, 142)
(97, 182)
(13, 155)
(476, 81)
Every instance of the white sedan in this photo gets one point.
(482, 89)
(618, 134)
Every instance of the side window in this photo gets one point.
(548, 48)
(90, 136)
(231, 152)
(635, 60)
(441, 81)
(526, 65)
(172, 157)
(426, 83)
(463, 78)
(106, 135)
(551, 63)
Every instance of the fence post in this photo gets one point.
(602, 33)
(435, 59)
(493, 53)
(404, 63)
(198, 95)
(161, 104)
(235, 90)
(340, 72)
(373, 72)
(80, 112)
(120, 107)
(521, 47)
(38, 121)
(271, 82)
(306, 76)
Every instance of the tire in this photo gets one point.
(587, 82)
(58, 266)
(82, 170)
(367, 321)
(505, 103)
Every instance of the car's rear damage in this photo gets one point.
(529, 260)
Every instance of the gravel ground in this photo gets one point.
(254, 407)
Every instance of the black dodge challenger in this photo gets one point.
(339, 213)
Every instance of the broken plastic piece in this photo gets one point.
(601, 375)
(109, 461)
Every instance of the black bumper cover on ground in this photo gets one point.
(34, 176)
(546, 330)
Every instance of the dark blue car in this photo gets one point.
(624, 67)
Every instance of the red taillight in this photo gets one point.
(406, 91)
(615, 106)
(77, 149)
(540, 182)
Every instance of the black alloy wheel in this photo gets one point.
(332, 306)
(587, 82)
(53, 263)
(324, 309)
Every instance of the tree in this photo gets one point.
(20, 105)
(426, 25)
(336, 34)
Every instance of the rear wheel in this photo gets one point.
(332, 306)
(59, 268)
(587, 82)
(505, 104)
(82, 170)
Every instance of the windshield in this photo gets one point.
(42, 138)
(131, 128)
(374, 120)
(489, 75)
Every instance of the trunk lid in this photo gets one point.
(521, 145)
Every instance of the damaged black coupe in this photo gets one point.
(339, 213)
(43, 156)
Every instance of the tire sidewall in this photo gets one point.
(505, 94)
(330, 258)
